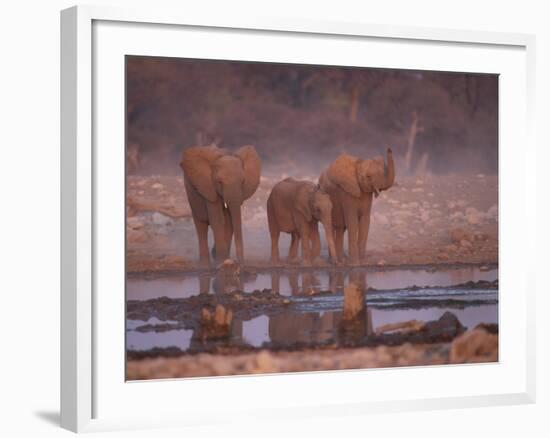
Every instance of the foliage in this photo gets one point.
(309, 114)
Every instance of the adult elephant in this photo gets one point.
(217, 183)
(296, 207)
(351, 183)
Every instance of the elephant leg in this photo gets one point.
(339, 242)
(228, 229)
(364, 225)
(216, 219)
(293, 250)
(204, 282)
(306, 244)
(315, 240)
(352, 224)
(293, 282)
(202, 233)
(274, 232)
(275, 282)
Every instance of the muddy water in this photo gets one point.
(316, 319)
(295, 282)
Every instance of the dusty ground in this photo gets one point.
(431, 220)
(473, 346)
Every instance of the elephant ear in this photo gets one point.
(303, 201)
(252, 169)
(196, 164)
(372, 174)
(324, 182)
(343, 173)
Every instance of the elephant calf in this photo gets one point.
(217, 183)
(296, 207)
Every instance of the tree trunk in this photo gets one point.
(413, 131)
(354, 104)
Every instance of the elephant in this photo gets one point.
(351, 183)
(296, 207)
(217, 183)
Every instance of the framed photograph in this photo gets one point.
(257, 207)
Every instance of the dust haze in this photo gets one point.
(301, 117)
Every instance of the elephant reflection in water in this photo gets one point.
(337, 279)
(222, 282)
(310, 282)
(311, 327)
(360, 326)
(199, 342)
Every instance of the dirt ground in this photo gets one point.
(430, 220)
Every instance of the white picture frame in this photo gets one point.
(84, 318)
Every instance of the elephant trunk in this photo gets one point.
(389, 171)
(329, 236)
(235, 212)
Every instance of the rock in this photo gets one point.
(480, 236)
(381, 262)
(488, 327)
(161, 220)
(458, 235)
(222, 316)
(354, 302)
(484, 268)
(134, 223)
(136, 236)
(157, 186)
(229, 267)
(457, 216)
(405, 326)
(444, 329)
(465, 244)
(424, 216)
(217, 325)
(450, 248)
(492, 213)
(206, 315)
(174, 260)
(265, 363)
(381, 219)
(476, 345)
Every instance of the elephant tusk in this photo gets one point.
(376, 192)
(225, 205)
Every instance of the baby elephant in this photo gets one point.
(296, 207)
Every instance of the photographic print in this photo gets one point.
(291, 218)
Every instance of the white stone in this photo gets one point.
(161, 219)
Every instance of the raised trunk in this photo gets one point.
(235, 212)
(389, 171)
